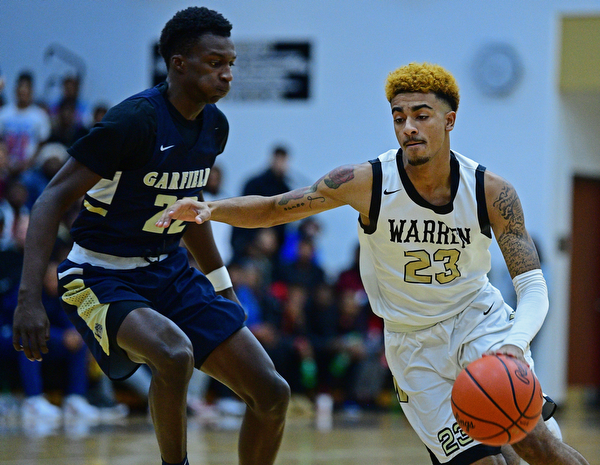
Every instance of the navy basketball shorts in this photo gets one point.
(97, 300)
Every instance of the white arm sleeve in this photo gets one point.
(532, 307)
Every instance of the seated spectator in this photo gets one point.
(15, 212)
(66, 348)
(4, 166)
(11, 262)
(262, 251)
(263, 310)
(372, 371)
(321, 324)
(309, 229)
(65, 127)
(303, 271)
(70, 91)
(100, 109)
(67, 352)
(2, 84)
(300, 371)
(51, 158)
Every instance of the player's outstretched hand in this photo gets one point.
(185, 210)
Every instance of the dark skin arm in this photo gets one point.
(200, 241)
(508, 223)
(31, 328)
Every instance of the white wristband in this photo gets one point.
(220, 278)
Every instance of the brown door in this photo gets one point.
(584, 320)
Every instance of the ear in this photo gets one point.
(450, 120)
(178, 63)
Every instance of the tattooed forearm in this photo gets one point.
(299, 193)
(333, 180)
(519, 254)
(515, 243)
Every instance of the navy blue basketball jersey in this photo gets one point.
(118, 215)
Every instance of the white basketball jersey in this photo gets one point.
(421, 263)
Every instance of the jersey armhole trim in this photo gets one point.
(375, 206)
(482, 213)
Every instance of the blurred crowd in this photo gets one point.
(318, 329)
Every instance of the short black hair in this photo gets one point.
(280, 150)
(26, 76)
(183, 30)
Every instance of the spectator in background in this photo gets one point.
(272, 181)
(309, 228)
(304, 271)
(263, 309)
(51, 158)
(4, 166)
(321, 324)
(69, 351)
(370, 376)
(2, 85)
(66, 129)
(15, 213)
(23, 125)
(300, 369)
(262, 251)
(98, 113)
(70, 92)
(11, 262)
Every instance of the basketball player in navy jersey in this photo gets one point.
(127, 284)
(426, 217)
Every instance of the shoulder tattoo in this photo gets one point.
(508, 205)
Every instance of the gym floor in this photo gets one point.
(352, 438)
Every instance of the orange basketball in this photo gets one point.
(497, 400)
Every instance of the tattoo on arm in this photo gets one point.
(299, 193)
(339, 176)
(514, 241)
(333, 180)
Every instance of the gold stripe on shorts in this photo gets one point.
(89, 309)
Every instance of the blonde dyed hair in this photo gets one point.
(423, 78)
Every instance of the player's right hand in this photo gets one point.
(31, 330)
(185, 209)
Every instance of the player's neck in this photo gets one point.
(182, 102)
(432, 179)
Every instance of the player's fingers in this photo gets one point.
(26, 347)
(35, 344)
(28, 344)
(164, 221)
(201, 217)
(43, 340)
(17, 341)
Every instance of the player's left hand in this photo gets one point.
(510, 350)
(186, 209)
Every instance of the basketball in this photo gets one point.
(497, 400)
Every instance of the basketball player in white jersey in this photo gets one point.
(426, 216)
